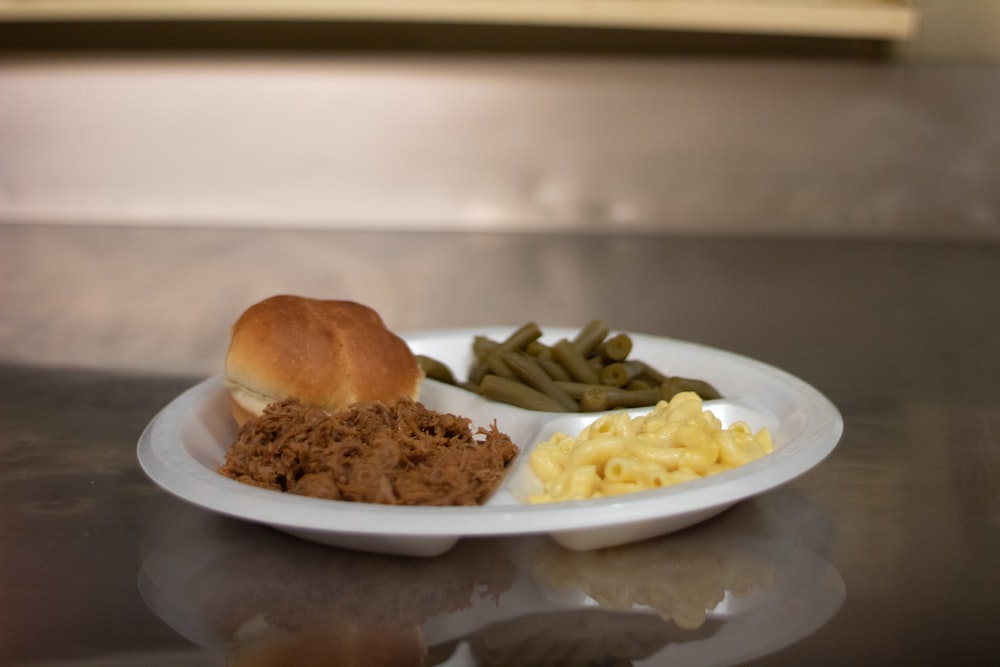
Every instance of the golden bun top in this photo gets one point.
(327, 354)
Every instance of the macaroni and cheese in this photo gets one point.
(676, 442)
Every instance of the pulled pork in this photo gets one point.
(399, 454)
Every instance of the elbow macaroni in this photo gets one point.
(678, 441)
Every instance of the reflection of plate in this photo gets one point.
(182, 447)
(221, 583)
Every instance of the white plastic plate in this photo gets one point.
(183, 446)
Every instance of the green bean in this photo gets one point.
(554, 370)
(620, 373)
(591, 372)
(574, 389)
(591, 397)
(528, 370)
(517, 393)
(538, 349)
(678, 384)
(594, 399)
(483, 345)
(480, 368)
(496, 365)
(515, 341)
(616, 348)
(627, 398)
(570, 358)
(652, 375)
(590, 336)
(435, 369)
(521, 337)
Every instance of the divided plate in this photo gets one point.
(182, 447)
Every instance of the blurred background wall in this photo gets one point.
(953, 30)
(253, 117)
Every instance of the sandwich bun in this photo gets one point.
(327, 354)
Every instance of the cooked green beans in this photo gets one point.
(594, 398)
(570, 358)
(616, 348)
(481, 346)
(493, 362)
(589, 337)
(614, 397)
(519, 394)
(590, 372)
(554, 370)
(435, 370)
(620, 373)
(532, 374)
(700, 387)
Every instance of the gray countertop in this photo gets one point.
(892, 540)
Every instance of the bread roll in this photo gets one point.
(326, 353)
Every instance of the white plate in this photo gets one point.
(184, 444)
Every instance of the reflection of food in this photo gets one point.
(403, 454)
(678, 441)
(334, 641)
(290, 602)
(328, 354)
(681, 578)
(578, 638)
(223, 583)
(589, 373)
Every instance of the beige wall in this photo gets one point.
(956, 29)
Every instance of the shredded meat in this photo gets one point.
(399, 454)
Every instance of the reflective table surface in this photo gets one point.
(885, 553)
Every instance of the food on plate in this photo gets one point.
(678, 441)
(325, 353)
(435, 369)
(396, 453)
(591, 372)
